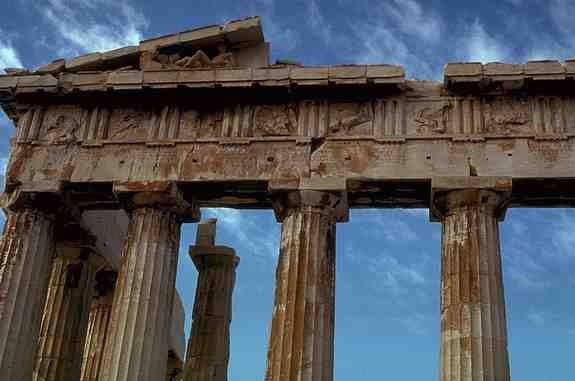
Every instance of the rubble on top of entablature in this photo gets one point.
(238, 43)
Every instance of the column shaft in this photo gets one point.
(473, 323)
(302, 333)
(209, 345)
(65, 318)
(26, 254)
(137, 344)
(96, 337)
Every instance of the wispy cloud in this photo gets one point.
(93, 25)
(254, 238)
(482, 46)
(8, 54)
(536, 318)
(318, 24)
(412, 19)
(393, 276)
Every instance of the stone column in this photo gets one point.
(98, 323)
(26, 254)
(302, 332)
(65, 317)
(473, 323)
(175, 368)
(137, 344)
(209, 344)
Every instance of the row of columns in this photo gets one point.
(301, 342)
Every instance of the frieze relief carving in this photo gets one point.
(507, 116)
(195, 124)
(129, 124)
(275, 120)
(350, 119)
(432, 119)
(62, 125)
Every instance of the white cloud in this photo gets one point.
(93, 25)
(393, 276)
(412, 19)
(481, 46)
(536, 318)
(8, 54)
(318, 24)
(255, 238)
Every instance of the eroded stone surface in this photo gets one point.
(302, 331)
(473, 323)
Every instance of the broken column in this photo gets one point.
(98, 324)
(26, 254)
(65, 317)
(137, 344)
(209, 344)
(301, 343)
(473, 322)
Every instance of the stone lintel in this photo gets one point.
(162, 195)
(207, 256)
(326, 192)
(470, 190)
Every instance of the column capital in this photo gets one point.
(162, 195)
(206, 254)
(47, 197)
(449, 193)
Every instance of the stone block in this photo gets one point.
(203, 78)
(234, 77)
(125, 80)
(54, 67)
(545, 70)
(86, 62)
(570, 68)
(504, 72)
(32, 83)
(8, 82)
(310, 76)
(161, 77)
(463, 72)
(385, 73)
(273, 76)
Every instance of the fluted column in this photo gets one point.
(26, 254)
(175, 368)
(98, 323)
(301, 343)
(209, 344)
(473, 322)
(137, 344)
(65, 317)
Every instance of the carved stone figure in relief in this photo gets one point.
(62, 126)
(350, 119)
(127, 124)
(507, 116)
(275, 120)
(433, 119)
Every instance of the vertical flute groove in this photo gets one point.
(473, 333)
(27, 252)
(137, 345)
(301, 340)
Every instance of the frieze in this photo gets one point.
(506, 116)
(275, 120)
(350, 119)
(128, 124)
(432, 119)
(62, 124)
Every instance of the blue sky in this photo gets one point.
(387, 308)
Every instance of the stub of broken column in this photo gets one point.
(100, 311)
(26, 255)
(65, 317)
(137, 344)
(209, 344)
(473, 320)
(301, 344)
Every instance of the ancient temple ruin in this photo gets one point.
(113, 151)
